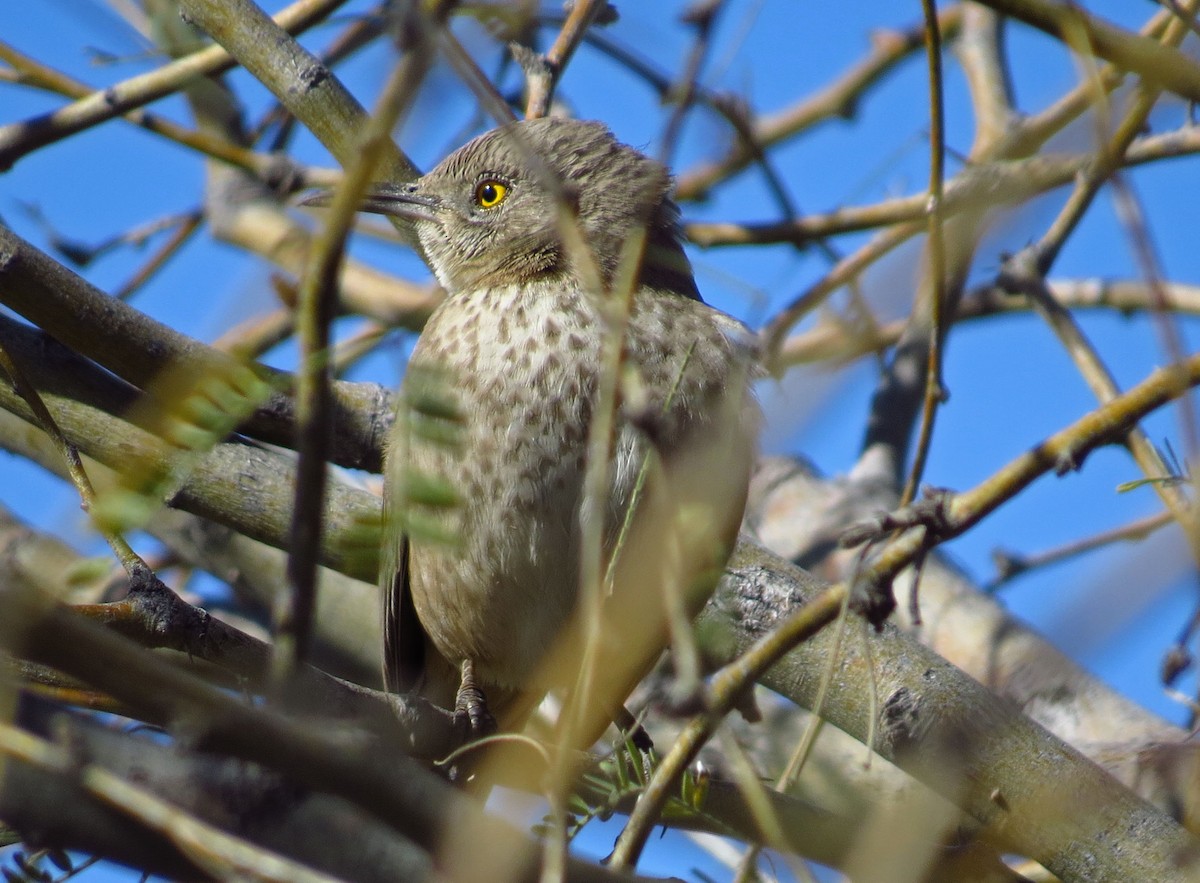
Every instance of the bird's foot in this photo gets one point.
(470, 706)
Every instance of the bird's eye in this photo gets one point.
(490, 193)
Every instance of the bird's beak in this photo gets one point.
(396, 200)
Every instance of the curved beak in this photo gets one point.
(396, 200)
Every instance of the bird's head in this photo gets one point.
(493, 211)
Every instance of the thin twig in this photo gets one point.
(724, 690)
(836, 100)
(702, 16)
(490, 100)
(1129, 209)
(315, 313)
(936, 266)
(188, 224)
(19, 139)
(999, 182)
(541, 88)
(842, 339)
(1010, 565)
(130, 560)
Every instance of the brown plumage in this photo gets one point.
(491, 578)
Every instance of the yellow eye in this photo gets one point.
(490, 193)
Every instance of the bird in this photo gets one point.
(552, 239)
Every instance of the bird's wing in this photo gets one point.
(404, 639)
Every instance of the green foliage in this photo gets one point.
(191, 413)
(432, 415)
(616, 782)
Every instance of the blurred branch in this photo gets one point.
(844, 272)
(156, 618)
(268, 167)
(299, 80)
(1163, 66)
(853, 265)
(255, 222)
(216, 852)
(1031, 133)
(1020, 274)
(1108, 157)
(836, 340)
(187, 226)
(837, 100)
(979, 49)
(316, 308)
(346, 608)
(370, 773)
(580, 17)
(1026, 270)
(1010, 565)
(244, 487)
(357, 33)
(804, 622)
(19, 139)
(490, 101)
(993, 184)
(140, 350)
(702, 15)
(850, 267)
(228, 794)
(1132, 215)
(730, 108)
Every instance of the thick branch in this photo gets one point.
(55, 806)
(245, 487)
(138, 349)
(1035, 794)
(370, 773)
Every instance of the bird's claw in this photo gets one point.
(470, 706)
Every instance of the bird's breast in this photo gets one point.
(522, 369)
(522, 365)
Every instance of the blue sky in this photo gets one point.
(1010, 382)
